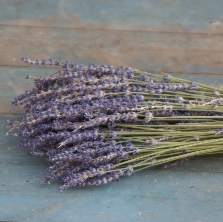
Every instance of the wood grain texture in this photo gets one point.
(142, 34)
(13, 83)
(151, 51)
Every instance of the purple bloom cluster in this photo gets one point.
(70, 118)
(75, 117)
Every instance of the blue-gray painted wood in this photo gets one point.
(169, 36)
(13, 82)
(180, 37)
(142, 14)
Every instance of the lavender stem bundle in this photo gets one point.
(95, 124)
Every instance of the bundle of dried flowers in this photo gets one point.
(96, 124)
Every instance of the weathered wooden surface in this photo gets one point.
(190, 192)
(169, 36)
(180, 37)
(13, 83)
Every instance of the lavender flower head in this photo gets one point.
(96, 124)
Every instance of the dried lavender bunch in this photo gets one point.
(95, 124)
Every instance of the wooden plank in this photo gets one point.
(13, 83)
(187, 192)
(152, 51)
(123, 15)
(147, 196)
(154, 195)
(183, 40)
